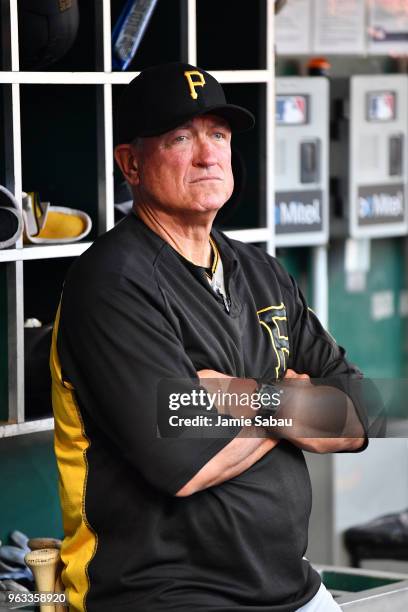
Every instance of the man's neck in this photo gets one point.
(185, 234)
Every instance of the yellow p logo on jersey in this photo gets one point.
(189, 74)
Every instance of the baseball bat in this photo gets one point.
(44, 563)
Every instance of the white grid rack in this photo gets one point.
(14, 258)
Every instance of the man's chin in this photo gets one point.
(209, 207)
(211, 202)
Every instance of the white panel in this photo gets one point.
(369, 154)
(192, 32)
(382, 305)
(250, 235)
(14, 36)
(107, 36)
(321, 284)
(270, 126)
(288, 180)
(281, 157)
(108, 133)
(15, 310)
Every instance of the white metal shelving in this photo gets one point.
(106, 79)
(27, 427)
(118, 78)
(44, 252)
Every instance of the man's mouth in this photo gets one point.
(206, 178)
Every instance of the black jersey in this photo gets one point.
(133, 311)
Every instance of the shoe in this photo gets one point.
(12, 585)
(19, 574)
(11, 221)
(5, 567)
(12, 555)
(390, 529)
(46, 224)
(19, 538)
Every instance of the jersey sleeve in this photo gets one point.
(115, 346)
(315, 352)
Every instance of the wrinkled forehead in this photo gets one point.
(205, 121)
(208, 120)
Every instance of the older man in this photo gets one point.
(184, 523)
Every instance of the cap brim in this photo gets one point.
(239, 119)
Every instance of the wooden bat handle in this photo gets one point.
(45, 564)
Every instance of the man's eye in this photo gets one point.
(180, 138)
(219, 135)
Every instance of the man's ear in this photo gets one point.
(127, 162)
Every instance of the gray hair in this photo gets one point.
(137, 142)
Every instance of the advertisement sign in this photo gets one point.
(298, 212)
(293, 27)
(339, 27)
(378, 204)
(387, 29)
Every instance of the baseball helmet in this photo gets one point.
(47, 30)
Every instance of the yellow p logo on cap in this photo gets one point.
(189, 74)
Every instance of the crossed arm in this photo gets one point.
(245, 449)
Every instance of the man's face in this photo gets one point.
(187, 169)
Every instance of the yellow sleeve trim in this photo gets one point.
(71, 445)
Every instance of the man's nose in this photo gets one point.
(204, 153)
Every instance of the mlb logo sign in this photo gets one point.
(381, 106)
(290, 110)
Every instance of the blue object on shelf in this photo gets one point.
(129, 30)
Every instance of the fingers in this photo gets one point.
(204, 373)
(292, 374)
(214, 374)
(211, 374)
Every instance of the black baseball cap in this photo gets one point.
(163, 97)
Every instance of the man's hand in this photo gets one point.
(318, 412)
(327, 444)
(215, 381)
(237, 456)
(246, 449)
(212, 374)
(292, 374)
